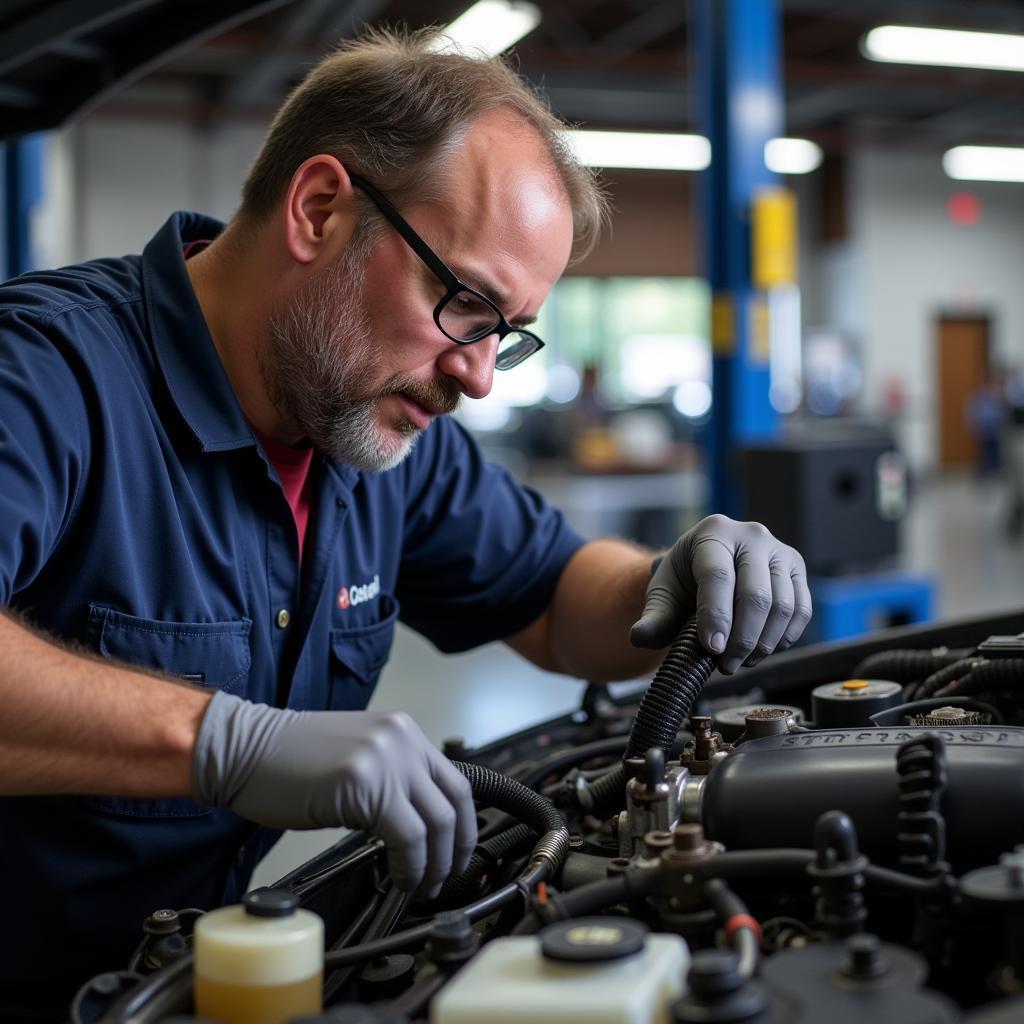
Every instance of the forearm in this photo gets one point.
(599, 596)
(74, 724)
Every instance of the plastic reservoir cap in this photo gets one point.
(587, 940)
(856, 684)
(267, 902)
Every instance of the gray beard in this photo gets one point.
(319, 366)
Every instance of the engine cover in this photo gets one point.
(769, 792)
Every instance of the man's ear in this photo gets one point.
(319, 210)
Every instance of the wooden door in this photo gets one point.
(962, 363)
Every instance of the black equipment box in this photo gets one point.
(837, 500)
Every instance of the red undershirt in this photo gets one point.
(292, 464)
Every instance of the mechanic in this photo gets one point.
(226, 471)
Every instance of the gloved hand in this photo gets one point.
(748, 589)
(364, 769)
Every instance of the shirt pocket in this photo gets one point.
(211, 654)
(358, 656)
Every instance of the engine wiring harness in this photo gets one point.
(811, 872)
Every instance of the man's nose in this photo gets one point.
(472, 365)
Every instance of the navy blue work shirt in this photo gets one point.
(141, 518)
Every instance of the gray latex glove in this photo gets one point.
(749, 591)
(364, 769)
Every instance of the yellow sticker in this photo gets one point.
(723, 324)
(773, 237)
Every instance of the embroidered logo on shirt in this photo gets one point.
(358, 593)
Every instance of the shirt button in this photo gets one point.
(283, 618)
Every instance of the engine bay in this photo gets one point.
(837, 832)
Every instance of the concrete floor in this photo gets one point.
(954, 532)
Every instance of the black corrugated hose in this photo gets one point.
(459, 890)
(665, 707)
(988, 677)
(527, 806)
(907, 666)
(941, 679)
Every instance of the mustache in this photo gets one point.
(439, 396)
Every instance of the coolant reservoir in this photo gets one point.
(595, 969)
(259, 963)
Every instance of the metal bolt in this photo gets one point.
(688, 838)
(656, 841)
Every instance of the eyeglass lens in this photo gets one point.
(514, 348)
(466, 317)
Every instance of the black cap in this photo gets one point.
(268, 902)
(587, 940)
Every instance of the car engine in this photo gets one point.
(837, 833)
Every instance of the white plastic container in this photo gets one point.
(259, 963)
(511, 981)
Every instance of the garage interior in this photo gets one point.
(897, 340)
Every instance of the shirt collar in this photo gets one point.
(185, 351)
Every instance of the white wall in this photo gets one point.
(905, 263)
(132, 174)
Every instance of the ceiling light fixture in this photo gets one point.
(792, 156)
(984, 163)
(654, 151)
(904, 44)
(488, 28)
(665, 151)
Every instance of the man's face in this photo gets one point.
(356, 361)
(322, 371)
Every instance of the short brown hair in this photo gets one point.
(389, 107)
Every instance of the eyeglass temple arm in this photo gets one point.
(414, 241)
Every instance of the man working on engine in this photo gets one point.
(225, 472)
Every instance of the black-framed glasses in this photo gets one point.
(463, 315)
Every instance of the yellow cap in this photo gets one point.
(856, 684)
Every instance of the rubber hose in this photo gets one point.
(597, 896)
(529, 807)
(461, 889)
(988, 677)
(665, 706)
(941, 679)
(673, 692)
(564, 760)
(728, 906)
(905, 666)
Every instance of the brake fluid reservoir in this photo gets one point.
(606, 969)
(259, 963)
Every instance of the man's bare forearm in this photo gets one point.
(70, 723)
(585, 630)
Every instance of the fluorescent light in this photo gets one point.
(903, 44)
(792, 156)
(655, 151)
(489, 27)
(984, 163)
